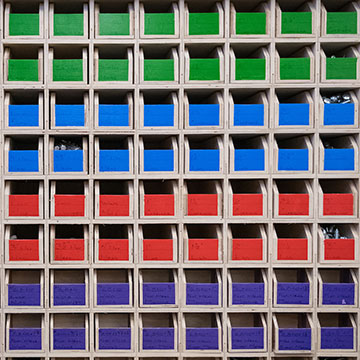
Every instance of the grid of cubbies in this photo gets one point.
(188, 224)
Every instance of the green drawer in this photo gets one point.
(295, 69)
(159, 70)
(341, 68)
(250, 69)
(159, 24)
(204, 69)
(23, 70)
(114, 24)
(250, 23)
(296, 22)
(204, 23)
(113, 70)
(67, 70)
(341, 23)
(68, 24)
(24, 25)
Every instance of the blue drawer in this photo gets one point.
(68, 161)
(69, 339)
(204, 115)
(23, 115)
(294, 114)
(293, 160)
(114, 160)
(295, 339)
(338, 294)
(202, 339)
(23, 161)
(158, 339)
(159, 115)
(248, 115)
(24, 295)
(249, 160)
(113, 294)
(158, 160)
(25, 339)
(159, 294)
(69, 115)
(339, 159)
(340, 338)
(248, 294)
(293, 293)
(247, 338)
(113, 115)
(205, 160)
(115, 339)
(69, 294)
(339, 114)
(202, 294)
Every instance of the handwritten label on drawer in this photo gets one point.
(338, 294)
(69, 294)
(159, 294)
(113, 294)
(25, 339)
(202, 294)
(24, 294)
(295, 339)
(293, 293)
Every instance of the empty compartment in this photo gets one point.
(248, 153)
(203, 243)
(114, 154)
(292, 243)
(158, 154)
(24, 109)
(338, 287)
(203, 287)
(24, 288)
(69, 243)
(247, 287)
(24, 154)
(114, 198)
(159, 109)
(293, 332)
(69, 332)
(114, 331)
(24, 332)
(204, 109)
(247, 332)
(337, 332)
(158, 243)
(202, 331)
(158, 332)
(113, 287)
(113, 243)
(24, 243)
(159, 19)
(158, 198)
(292, 287)
(158, 287)
(247, 243)
(69, 198)
(24, 199)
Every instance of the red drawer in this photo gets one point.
(114, 249)
(159, 205)
(204, 249)
(339, 249)
(69, 250)
(23, 205)
(294, 204)
(247, 205)
(338, 205)
(114, 205)
(69, 205)
(247, 249)
(24, 250)
(158, 249)
(202, 205)
(292, 249)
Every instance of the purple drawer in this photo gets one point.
(337, 338)
(247, 338)
(115, 339)
(69, 294)
(338, 294)
(69, 339)
(248, 294)
(295, 339)
(202, 294)
(113, 294)
(24, 294)
(25, 339)
(202, 339)
(159, 294)
(158, 339)
(293, 293)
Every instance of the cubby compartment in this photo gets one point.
(113, 288)
(293, 198)
(158, 332)
(114, 110)
(69, 20)
(69, 288)
(69, 109)
(69, 198)
(68, 154)
(247, 287)
(249, 62)
(158, 154)
(158, 198)
(338, 198)
(247, 332)
(114, 199)
(114, 154)
(248, 154)
(113, 64)
(203, 109)
(338, 287)
(292, 243)
(248, 109)
(113, 243)
(69, 244)
(203, 243)
(294, 333)
(158, 243)
(202, 287)
(294, 109)
(24, 65)
(292, 287)
(339, 153)
(202, 332)
(337, 332)
(24, 332)
(158, 110)
(69, 332)
(204, 63)
(158, 64)
(247, 243)
(158, 288)
(68, 64)
(24, 109)
(114, 332)
(24, 244)
(159, 19)
(24, 288)
(24, 199)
